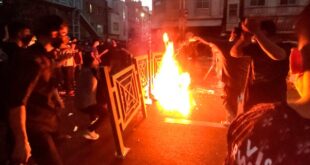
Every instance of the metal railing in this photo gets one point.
(128, 90)
(125, 101)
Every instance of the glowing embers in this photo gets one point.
(171, 84)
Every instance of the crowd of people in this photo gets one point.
(40, 65)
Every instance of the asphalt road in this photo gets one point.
(158, 139)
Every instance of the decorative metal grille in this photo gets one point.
(125, 101)
(157, 57)
(142, 63)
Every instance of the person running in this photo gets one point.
(278, 133)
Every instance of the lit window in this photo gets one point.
(203, 4)
(287, 2)
(257, 2)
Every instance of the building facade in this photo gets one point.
(283, 12)
(211, 17)
(201, 16)
(138, 20)
(86, 18)
(117, 20)
(139, 25)
(94, 18)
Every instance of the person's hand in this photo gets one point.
(21, 152)
(250, 26)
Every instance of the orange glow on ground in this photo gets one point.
(171, 84)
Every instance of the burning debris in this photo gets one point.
(171, 84)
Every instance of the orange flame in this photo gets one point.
(165, 38)
(171, 84)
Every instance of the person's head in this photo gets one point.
(51, 29)
(301, 59)
(96, 43)
(20, 33)
(17, 30)
(268, 27)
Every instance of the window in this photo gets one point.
(115, 26)
(257, 2)
(100, 29)
(233, 10)
(287, 2)
(202, 4)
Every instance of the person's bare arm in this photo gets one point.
(273, 51)
(103, 53)
(17, 119)
(18, 96)
(237, 49)
(196, 38)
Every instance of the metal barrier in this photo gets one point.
(156, 59)
(143, 66)
(128, 90)
(125, 101)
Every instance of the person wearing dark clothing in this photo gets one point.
(86, 96)
(269, 63)
(234, 75)
(17, 40)
(19, 37)
(277, 133)
(267, 79)
(4, 131)
(32, 96)
(117, 58)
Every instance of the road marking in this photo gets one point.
(195, 123)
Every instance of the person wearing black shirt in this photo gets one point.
(17, 38)
(277, 133)
(234, 75)
(31, 93)
(269, 65)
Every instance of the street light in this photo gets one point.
(142, 14)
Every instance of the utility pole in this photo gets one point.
(224, 21)
(241, 10)
(183, 12)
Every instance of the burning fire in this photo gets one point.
(171, 84)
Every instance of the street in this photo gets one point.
(158, 139)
